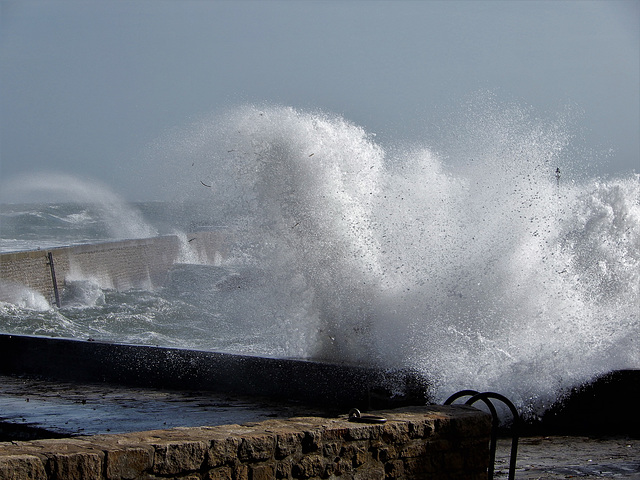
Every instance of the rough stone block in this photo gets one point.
(309, 466)
(283, 469)
(262, 472)
(241, 472)
(257, 448)
(335, 432)
(414, 450)
(439, 444)
(22, 467)
(178, 457)
(75, 465)
(311, 441)
(128, 463)
(384, 452)
(396, 432)
(420, 467)
(361, 431)
(420, 429)
(370, 471)
(360, 456)
(467, 422)
(223, 451)
(355, 454)
(394, 469)
(222, 473)
(331, 449)
(340, 467)
(288, 443)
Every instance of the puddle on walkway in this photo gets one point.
(65, 409)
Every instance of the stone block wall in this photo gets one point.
(430, 442)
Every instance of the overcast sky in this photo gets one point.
(85, 86)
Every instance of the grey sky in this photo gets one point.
(86, 85)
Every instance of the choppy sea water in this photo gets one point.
(491, 262)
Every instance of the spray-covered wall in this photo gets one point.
(119, 265)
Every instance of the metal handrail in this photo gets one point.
(486, 398)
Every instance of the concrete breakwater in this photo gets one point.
(320, 383)
(119, 265)
(419, 442)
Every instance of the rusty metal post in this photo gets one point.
(53, 279)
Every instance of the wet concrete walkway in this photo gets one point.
(45, 408)
(30, 407)
(563, 457)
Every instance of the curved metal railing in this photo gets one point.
(486, 397)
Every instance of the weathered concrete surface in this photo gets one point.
(562, 457)
(415, 443)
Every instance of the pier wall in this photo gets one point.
(432, 442)
(119, 265)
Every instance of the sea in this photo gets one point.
(489, 259)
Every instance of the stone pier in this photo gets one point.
(434, 442)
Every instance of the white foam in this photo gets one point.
(22, 297)
(474, 264)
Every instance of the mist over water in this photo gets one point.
(471, 261)
(111, 216)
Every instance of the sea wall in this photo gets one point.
(434, 442)
(119, 265)
(331, 385)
